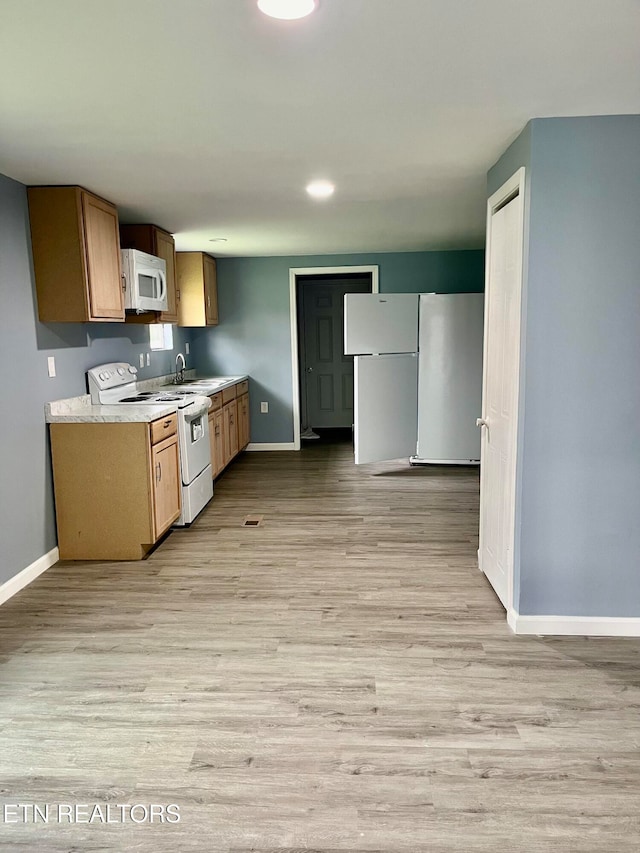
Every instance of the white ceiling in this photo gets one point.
(209, 119)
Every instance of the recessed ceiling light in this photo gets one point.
(320, 189)
(287, 10)
(218, 240)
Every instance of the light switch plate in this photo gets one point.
(51, 366)
(264, 408)
(141, 359)
(148, 359)
(186, 348)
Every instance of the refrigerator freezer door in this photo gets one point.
(380, 323)
(450, 377)
(386, 407)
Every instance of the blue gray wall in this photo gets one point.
(27, 521)
(254, 335)
(580, 434)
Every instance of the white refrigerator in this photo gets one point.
(417, 375)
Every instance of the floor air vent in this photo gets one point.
(252, 521)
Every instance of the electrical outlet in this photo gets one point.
(141, 359)
(187, 348)
(148, 359)
(264, 408)
(51, 366)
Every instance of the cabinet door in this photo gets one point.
(166, 484)
(212, 443)
(166, 249)
(230, 430)
(243, 421)
(102, 243)
(210, 291)
(218, 441)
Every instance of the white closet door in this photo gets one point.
(500, 396)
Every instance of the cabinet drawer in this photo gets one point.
(163, 428)
(229, 394)
(242, 387)
(216, 402)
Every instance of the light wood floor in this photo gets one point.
(340, 679)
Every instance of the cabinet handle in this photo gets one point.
(124, 282)
(217, 431)
(167, 424)
(158, 472)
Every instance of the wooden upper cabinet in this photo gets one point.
(155, 241)
(197, 283)
(210, 291)
(76, 256)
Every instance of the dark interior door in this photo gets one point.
(326, 373)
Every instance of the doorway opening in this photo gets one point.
(322, 374)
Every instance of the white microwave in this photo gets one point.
(145, 281)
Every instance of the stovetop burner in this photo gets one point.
(111, 384)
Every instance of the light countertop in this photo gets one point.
(209, 384)
(81, 410)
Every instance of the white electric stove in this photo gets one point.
(116, 383)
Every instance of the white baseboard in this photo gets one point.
(575, 626)
(24, 578)
(285, 445)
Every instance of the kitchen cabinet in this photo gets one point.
(197, 284)
(166, 486)
(155, 241)
(76, 256)
(216, 435)
(230, 412)
(243, 421)
(117, 487)
(228, 425)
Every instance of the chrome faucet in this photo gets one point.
(179, 377)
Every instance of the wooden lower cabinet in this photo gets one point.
(230, 412)
(117, 487)
(243, 421)
(166, 484)
(216, 439)
(228, 425)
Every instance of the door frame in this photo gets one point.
(294, 272)
(512, 187)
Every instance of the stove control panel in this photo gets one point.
(108, 376)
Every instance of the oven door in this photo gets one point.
(193, 433)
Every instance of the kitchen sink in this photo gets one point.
(208, 383)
